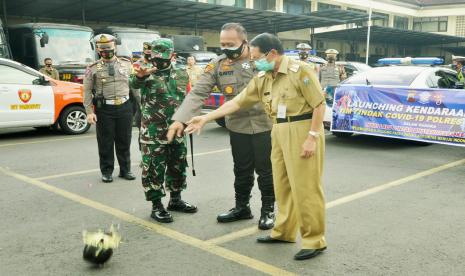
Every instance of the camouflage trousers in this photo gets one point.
(163, 164)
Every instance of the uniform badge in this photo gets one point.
(25, 95)
(123, 71)
(225, 68)
(245, 65)
(209, 67)
(99, 66)
(228, 89)
(306, 81)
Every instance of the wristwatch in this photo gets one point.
(314, 134)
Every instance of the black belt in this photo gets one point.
(289, 119)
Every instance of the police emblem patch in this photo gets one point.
(306, 81)
(25, 95)
(228, 90)
(424, 97)
(245, 65)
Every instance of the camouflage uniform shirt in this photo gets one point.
(161, 94)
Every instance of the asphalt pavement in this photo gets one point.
(393, 208)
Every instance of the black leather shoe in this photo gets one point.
(107, 178)
(266, 221)
(269, 239)
(181, 206)
(305, 254)
(235, 214)
(127, 176)
(161, 215)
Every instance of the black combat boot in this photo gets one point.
(241, 211)
(267, 217)
(179, 205)
(159, 213)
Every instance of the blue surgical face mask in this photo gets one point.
(263, 65)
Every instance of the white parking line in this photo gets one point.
(346, 199)
(132, 164)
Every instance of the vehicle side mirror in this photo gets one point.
(92, 45)
(40, 81)
(43, 40)
(459, 85)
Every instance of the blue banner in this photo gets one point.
(428, 115)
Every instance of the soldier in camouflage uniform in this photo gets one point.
(163, 88)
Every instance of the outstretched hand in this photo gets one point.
(142, 72)
(196, 124)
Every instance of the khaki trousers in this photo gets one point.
(297, 185)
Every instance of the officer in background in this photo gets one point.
(304, 51)
(331, 74)
(249, 129)
(49, 70)
(163, 87)
(193, 70)
(106, 99)
(298, 141)
(458, 62)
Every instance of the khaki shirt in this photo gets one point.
(230, 77)
(295, 86)
(331, 75)
(194, 73)
(52, 73)
(111, 87)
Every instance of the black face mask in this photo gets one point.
(303, 56)
(161, 63)
(107, 54)
(233, 53)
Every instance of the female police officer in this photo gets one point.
(291, 95)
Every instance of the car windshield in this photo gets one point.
(394, 75)
(133, 42)
(66, 46)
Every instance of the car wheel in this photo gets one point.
(73, 120)
(221, 122)
(342, 134)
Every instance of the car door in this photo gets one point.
(23, 102)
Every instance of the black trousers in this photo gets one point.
(114, 129)
(251, 153)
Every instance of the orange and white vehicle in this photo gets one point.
(30, 99)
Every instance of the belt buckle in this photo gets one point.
(118, 101)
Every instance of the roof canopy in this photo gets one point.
(391, 36)
(177, 13)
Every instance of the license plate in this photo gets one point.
(66, 77)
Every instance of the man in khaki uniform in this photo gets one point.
(49, 70)
(106, 100)
(291, 95)
(331, 74)
(193, 70)
(249, 129)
